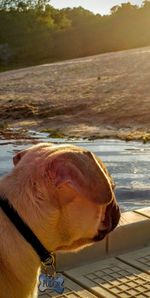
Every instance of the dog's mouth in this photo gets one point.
(111, 220)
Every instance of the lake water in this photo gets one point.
(127, 162)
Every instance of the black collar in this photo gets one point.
(24, 230)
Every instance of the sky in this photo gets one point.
(97, 6)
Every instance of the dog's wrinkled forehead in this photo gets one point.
(44, 150)
(54, 156)
(71, 165)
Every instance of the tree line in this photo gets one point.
(34, 32)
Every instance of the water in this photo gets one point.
(128, 163)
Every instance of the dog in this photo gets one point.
(64, 195)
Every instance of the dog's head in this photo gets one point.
(70, 194)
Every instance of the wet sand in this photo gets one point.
(107, 95)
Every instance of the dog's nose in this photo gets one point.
(112, 216)
(111, 220)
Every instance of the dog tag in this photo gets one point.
(49, 279)
(54, 283)
(58, 284)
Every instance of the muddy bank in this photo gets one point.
(107, 95)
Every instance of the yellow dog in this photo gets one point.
(64, 195)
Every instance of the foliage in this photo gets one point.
(32, 31)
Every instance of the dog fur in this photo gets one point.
(62, 193)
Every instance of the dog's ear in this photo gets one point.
(100, 181)
(102, 166)
(78, 174)
(18, 156)
(67, 192)
(67, 180)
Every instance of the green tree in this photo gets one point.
(23, 4)
(32, 31)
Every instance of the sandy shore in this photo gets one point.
(107, 95)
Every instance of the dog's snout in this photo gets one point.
(115, 216)
(112, 216)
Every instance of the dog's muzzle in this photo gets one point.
(112, 216)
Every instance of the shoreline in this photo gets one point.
(32, 134)
(102, 96)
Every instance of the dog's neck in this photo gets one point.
(18, 259)
(36, 214)
(17, 255)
